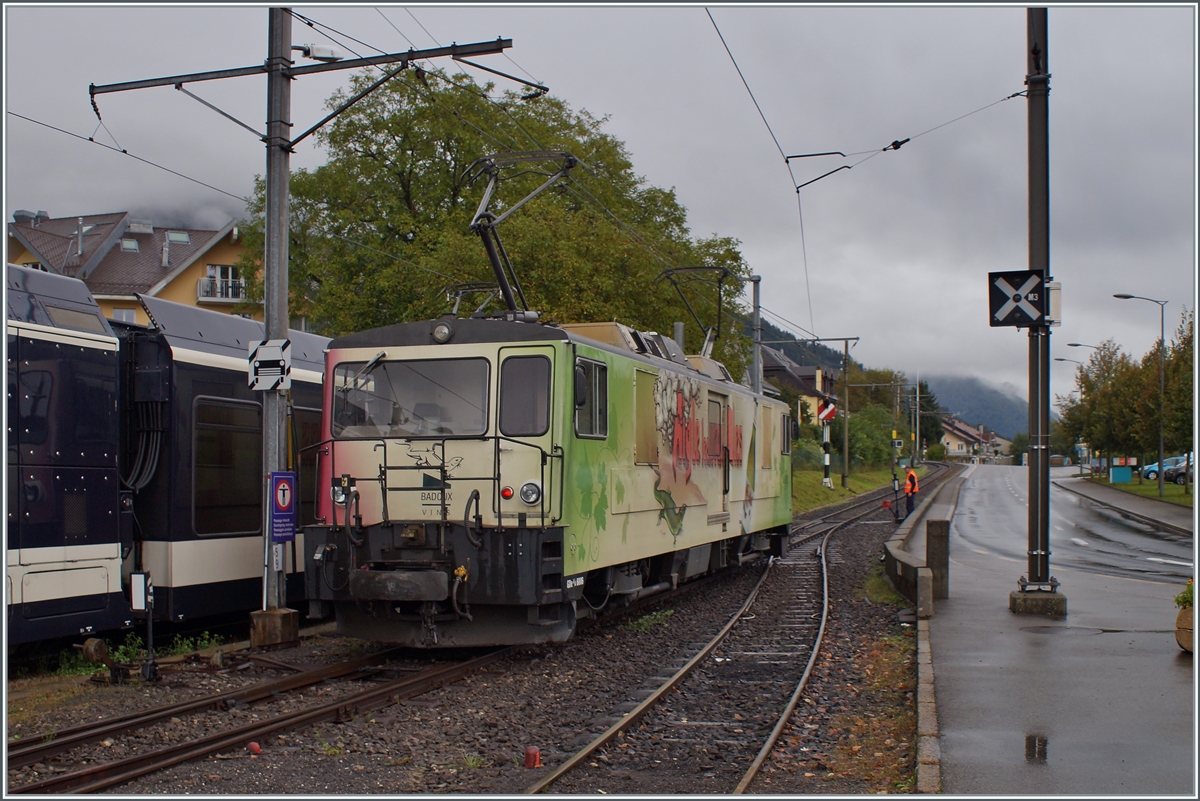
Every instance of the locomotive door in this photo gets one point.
(717, 450)
(525, 425)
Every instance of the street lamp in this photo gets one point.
(1081, 345)
(1162, 372)
(1060, 359)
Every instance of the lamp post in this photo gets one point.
(1162, 373)
(1082, 345)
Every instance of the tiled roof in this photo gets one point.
(802, 378)
(963, 431)
(56, 241)
(105, 266)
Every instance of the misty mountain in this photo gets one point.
(974, 401)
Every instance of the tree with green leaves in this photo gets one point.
(381, 232)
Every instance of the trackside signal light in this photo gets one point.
(506, 493)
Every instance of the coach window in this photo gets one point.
(227, 467)
(307, 433)
(525, 396)
(591, 409)
(786, 430)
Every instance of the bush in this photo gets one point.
(936, 452)
(1184, 599)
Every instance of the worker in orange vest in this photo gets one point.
(910, 489)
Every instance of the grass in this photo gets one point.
(807, 492)
(647, 622)
(878, 590)
(1172, 493)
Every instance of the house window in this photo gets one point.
(179, 237)
(129, 245)
(125, 315)
(223, 281)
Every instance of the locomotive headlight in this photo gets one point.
(338, 494)
(531, 493)
(506, 493)
(442, 333)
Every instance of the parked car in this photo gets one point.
(1151, 470)
(1177, 475)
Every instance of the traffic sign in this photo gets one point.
(1016, 299)
(283, 507)
(270, 365)
(825, 411)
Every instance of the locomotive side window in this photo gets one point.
(525, 396)
(423, 398)
(768, 439)
(591, 411)
(787, 430)
(716, 420)
(227, 467)
(645, 447)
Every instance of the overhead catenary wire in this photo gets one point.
(125, 152)
(787, 164)
(316, 26)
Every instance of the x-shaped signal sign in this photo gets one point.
(1016, 299)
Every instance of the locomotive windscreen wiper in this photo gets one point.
(353, 382)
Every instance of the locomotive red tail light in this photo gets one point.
(506, 493)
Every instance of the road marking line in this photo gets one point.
(1168, 561)
(1078, 541)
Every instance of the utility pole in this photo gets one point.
(1038, 593)
(274, 624)
(846, 414)
(275, 289)
(756, 369)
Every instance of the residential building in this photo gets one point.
(119, 257)
(811, 382)
(962, 442)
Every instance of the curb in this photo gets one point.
(929, 750)
(1122, 510)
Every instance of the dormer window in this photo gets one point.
(129, 245)
(179, 237)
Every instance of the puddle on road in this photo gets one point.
(1036, 747)
(1060, 630)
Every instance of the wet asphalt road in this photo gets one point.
(992, 518)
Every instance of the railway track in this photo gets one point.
(90, 778)
(708, 726)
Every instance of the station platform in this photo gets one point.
(1101, 702)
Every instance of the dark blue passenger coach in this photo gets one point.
(138, 448)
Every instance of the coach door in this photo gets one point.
(528, 471)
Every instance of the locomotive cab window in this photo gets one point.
(425, 398)
(525, 396)
(591, 399)
(788, 431)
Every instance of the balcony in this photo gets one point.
(220, 290)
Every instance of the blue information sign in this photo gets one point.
(283, 507)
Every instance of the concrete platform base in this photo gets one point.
(1038, 602)
(274, 627)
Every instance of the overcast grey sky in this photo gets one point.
(897, 248)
